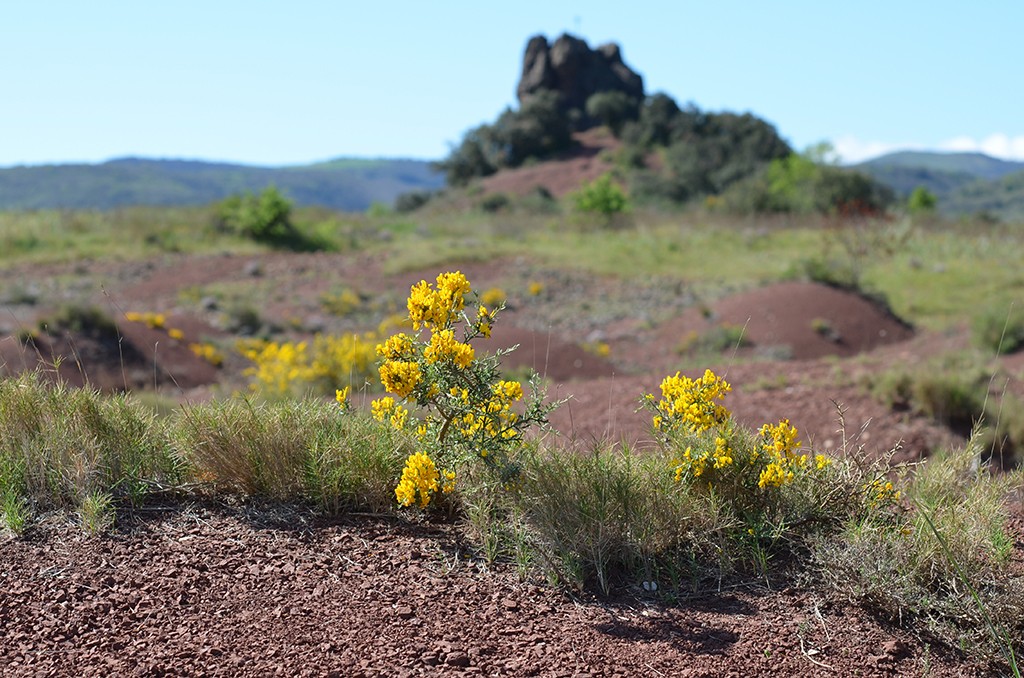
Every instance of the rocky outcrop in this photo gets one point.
(571, 68)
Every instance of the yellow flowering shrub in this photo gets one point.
(155, 321)
(282, 369)
(465, 409)
(493, 297)
(207, 352)
(710, 452)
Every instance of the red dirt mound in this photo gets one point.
(139, 357)
(549, 355)
(798, 320)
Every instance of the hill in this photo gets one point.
(351, 184)
(964, 183)
(975, 165)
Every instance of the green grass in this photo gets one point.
(62, 446)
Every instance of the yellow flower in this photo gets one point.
(536, 288)
(399, 416)
(400, 377)
(419, 477)
(821, 461)
(449, 482)
(484, 322)
(382, 407)
(341, 395)
(493, 297)
(395, 347)
(780, 440)
(421, 304)
(176, 334)
(691, 402)
(444, 347)
(508, 390)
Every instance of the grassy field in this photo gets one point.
(934, 275)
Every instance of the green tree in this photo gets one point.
(602, 196)
(265, 218)
(614, 109)
(921, 201)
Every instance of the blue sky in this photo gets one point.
(287, 83)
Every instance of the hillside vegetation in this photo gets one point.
(963, 183)
(342, 184)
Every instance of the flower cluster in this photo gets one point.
(207, 352)
(158, 321)
(717, 452)
(690, 403)
(429, 307)
(467, 410)
(290, 368)
(780, 445)
(880, 492)
(421, 477)
(444, 347)
(341, 397)
(154, 321)
(387, 409)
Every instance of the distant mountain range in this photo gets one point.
(964, 183)
(349, 184)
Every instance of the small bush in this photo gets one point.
(265, 218)
(412, 201)
(951, 390)
(719, 338)
(290, 369)
(91, 321)
(1000, 329)
(495, 202)
(943, 566)
(602, 197)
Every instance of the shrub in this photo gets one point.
(265, 217)
(1000, 329)
(602, 197)
(719, 338)
(495, 202)
(921, 201)
(467, 407)
(412, 201)
(88, 320)
(289, 369)
(951, 390)
(613, 108)
(942, 567)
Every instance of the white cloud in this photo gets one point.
(852, 150)
(996, 145)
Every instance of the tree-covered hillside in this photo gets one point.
(345, 184)
(963, 183)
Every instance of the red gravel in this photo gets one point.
(205, 591)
